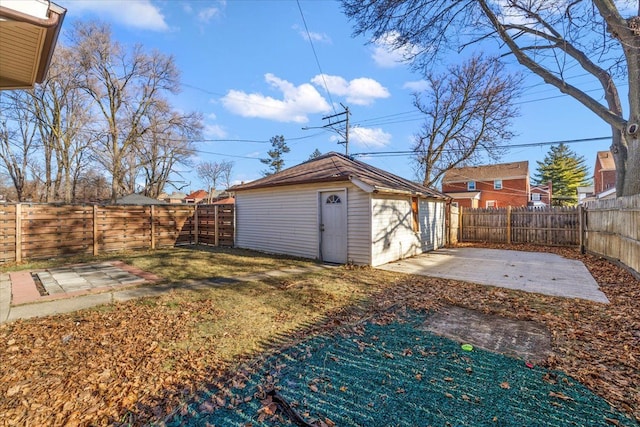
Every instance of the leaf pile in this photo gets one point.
(134, 362)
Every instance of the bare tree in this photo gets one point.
(17, 141)
(167, 144)
(552, 39)
(125, 86)
(227, 169)
(468, 113)
(62, 110)
(210, 173)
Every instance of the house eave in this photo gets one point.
(43, 34)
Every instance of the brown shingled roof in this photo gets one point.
(335, 167)
(606, 160)
(487, 172)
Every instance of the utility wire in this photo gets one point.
(324, 81)
(529, 144)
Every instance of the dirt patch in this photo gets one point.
(524, 339)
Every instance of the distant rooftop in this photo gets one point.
(487, 172)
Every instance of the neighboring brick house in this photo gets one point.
(490, 186)
(196, 196)
(540, 195)
(604, 173)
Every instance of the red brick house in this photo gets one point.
(540, 195)
(196, 196)
(489, 186)
(604, 173)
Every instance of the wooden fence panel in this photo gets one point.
(174, 225)
(555, 226)
(483, 225)
(216, 225)
(122, 228)
(612, 229)
(56, 230)
(7, 233)
(37, 231)
(545, 226)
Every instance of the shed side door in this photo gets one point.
(333, 226)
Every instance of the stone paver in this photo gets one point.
(105, 288)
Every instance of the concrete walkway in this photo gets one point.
(538, 272)
(88, 285)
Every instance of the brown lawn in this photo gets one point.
(134, 362)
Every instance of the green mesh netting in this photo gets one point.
(400, 375)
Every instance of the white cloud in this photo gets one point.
(316, 37)
(205, 15)
(139, 14)
(214, 131)
(416, 86)
(369, 137)
(296, 104)
(387, 56)
(360, 91)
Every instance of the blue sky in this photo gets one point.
(249, 67)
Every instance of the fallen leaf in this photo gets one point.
(560, 395)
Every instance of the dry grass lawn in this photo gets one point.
(134, 362)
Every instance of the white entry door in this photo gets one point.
(333, 226)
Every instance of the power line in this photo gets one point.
(324, 81)
(530, 144)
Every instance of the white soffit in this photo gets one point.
(36, 8)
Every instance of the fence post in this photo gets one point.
(95, 230)
(18, 232)
(153, 228)
(581, 228)
(196, 231)
(460, 235)
(216, 240)
(508, 225)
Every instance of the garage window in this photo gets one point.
(333, 199)
(414, 214)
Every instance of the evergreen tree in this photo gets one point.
(567, 171)
(275, 161)
(316, 153)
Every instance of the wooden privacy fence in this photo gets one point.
(545, 226)
(612, 229)
(42, 231)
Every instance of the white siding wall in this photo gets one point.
(359, 226)
(432, 224)
(284, 220)
(280, 220)
(392, 230)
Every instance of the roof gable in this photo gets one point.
(335, 167)
(199, 194)
(511, 170)
(606, 160)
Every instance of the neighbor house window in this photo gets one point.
(414, 214)
(497, 184)
(471, 185)
(491, 204)
(535, 197)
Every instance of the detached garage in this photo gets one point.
(336, 209)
